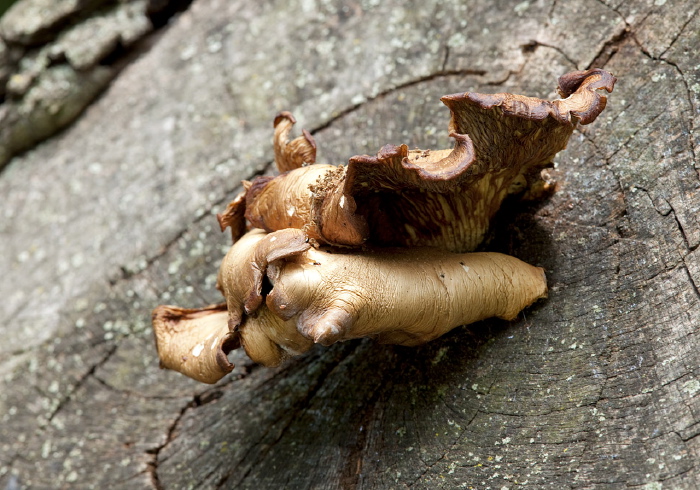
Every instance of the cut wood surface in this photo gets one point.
(596, 387)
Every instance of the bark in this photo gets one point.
(57, 56)
(596, 387)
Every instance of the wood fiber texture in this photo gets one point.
(596, 387)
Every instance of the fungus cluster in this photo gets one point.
(381, 247)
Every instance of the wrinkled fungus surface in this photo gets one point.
(441, 198)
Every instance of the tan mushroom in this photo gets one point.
(404, 296)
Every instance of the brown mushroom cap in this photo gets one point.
(295, 153)
(510, 131)
(443, 198)
(196, 342)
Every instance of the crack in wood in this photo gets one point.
(691, 436)
(692, 281)
(534, 44)
(132, 393)
(612, 45)
(198, 399)
(679, 33)
(350, 474)
(310, 394)
(389, 91)
(76, 386)
(170, 435)
(680, 227)
(445, 58)
(664, 214)
(153, 463)
(429, 466)
(551, 11)
(629, 31)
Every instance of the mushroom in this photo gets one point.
(377, 248)
(322, 296)
(403, 197)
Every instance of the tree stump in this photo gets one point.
(596, 387)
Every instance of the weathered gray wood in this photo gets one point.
(596, 387)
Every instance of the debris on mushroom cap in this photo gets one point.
(317, 296)
(443, 198)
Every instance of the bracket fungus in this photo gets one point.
(401, 197)
(379, 248)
